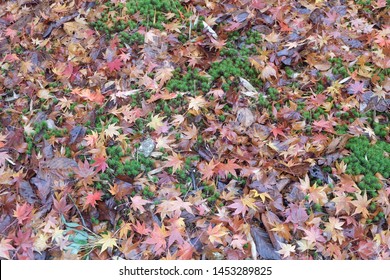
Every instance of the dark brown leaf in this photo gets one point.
(27, 192)
(263, 245)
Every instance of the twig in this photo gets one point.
(78, 211)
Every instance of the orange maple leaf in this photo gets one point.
(242, 204)
(224, 169)
(157, 239)
(175, 161)
(207, 170)
(216, 233)
(361, 203)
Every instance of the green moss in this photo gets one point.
(367, 159)
(151, 12)
(342, 129)
(190, 81)
(147, 193)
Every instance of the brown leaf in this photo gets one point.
(77, 134)
(245, 117)
(297, 170)
(27, 192)
(263, 244)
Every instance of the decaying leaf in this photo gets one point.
(264, 247)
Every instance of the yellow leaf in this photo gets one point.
(197, 103)
(163, 75)
(40, 242)
(107, 241)
(262, 196)
(272, 37)
(268, 72)
(155, 122)
(216, 233)
(112, 130)
(26, 66)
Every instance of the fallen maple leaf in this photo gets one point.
(314, 235)
(157, 239)
(172, 208)
(176, 231)
(241, 205)
(238, 241)
(11, 33)
(347, 184)
(92, 198)
(115, 65)
(230, 167)
(163, 75)
(107, 241)
(141, 228)
(100, 163)
(4, 156)
(356, 87)
(5, 247)
(207, 170)
(175, 161)
(191, 133)
(361, 203)
(268, 72)
(323, 125)
(216, 233)
(138, 202)
(155, 122)
(197, 103)
(286, 250)
(23, 213)
(112, 130)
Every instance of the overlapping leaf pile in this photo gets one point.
(194, 129)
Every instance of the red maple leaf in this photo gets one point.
(141, 228)
(186, 251)
(23, 213)
(100, 164)
(278, 131)
(207, 170)
(157, 239)
(92, 198)
(61, 206)
(68, 71)
(116, 64)
(24, 241)
(323, 125)
(11, 33)
(176, 230)
(258, 4)
(224, 169)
